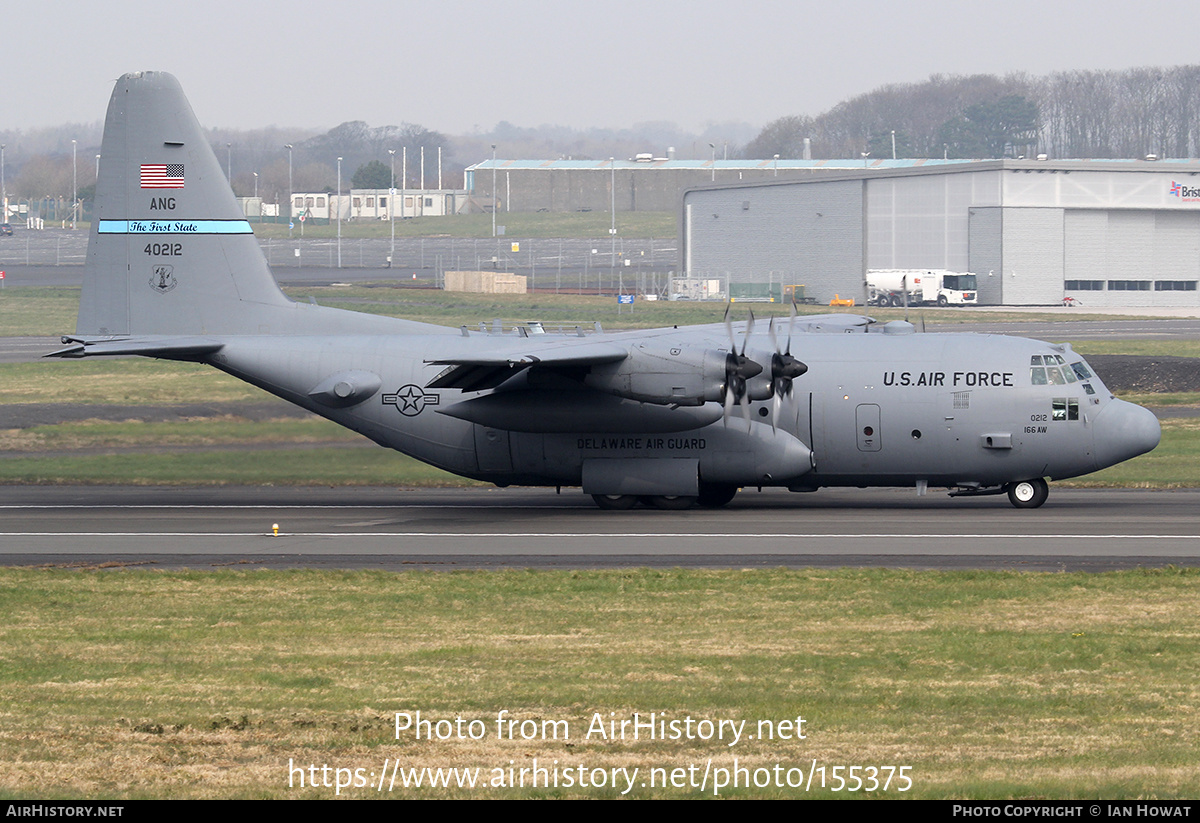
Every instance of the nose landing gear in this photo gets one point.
(1028, 494)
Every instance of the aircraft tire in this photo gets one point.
(670, 502)
(716, 495)
(615, 502)
(1028, 494)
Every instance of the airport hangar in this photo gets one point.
(1103, 232)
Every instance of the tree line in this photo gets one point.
(1072, 114)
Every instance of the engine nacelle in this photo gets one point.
(665, 374)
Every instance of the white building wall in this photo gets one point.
(986, 253)
(922, 222)
(1032, 256)
(1101, 188)
(1026, 229)
(810, 235)
(1137, 258)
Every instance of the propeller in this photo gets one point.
(784, 367)
(738, 369)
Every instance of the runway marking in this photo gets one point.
(629, 535)
(498, 504)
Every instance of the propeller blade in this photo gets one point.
(749, 331)
(791, 322)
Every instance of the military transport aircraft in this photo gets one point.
(670, 417)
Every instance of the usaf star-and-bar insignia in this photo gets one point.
(410, 399)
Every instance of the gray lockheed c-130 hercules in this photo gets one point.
(667, 416)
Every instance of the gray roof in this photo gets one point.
(719, 165)
(1188, 164)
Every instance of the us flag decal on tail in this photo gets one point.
(162, 175)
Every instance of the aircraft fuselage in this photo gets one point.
(953, 410)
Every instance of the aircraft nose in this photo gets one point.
(1124, 430)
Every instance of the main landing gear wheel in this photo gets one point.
(716, 495)
(615, 502)
(1028, 494)
(669, 502)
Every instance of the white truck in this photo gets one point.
(886, 287)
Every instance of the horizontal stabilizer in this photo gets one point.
(170, 348)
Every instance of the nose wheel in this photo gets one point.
(1028, 494)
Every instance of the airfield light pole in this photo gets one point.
(493, 189)
(97, 168)
(74, 181)
(291, 194)
(3, 190)
(777, 165)
(392, 210)
(339, 212)
(713, 146)
(229, 163)
(612, 230)
(255, 185)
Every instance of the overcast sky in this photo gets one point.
(455, 65)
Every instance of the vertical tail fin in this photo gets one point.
(170, 250)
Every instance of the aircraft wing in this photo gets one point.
(805, 324)
(487, 370)
(166, 346)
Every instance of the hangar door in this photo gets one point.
(1114, 257)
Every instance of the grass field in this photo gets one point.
(27, 310)
(122, 682)
(986, 685)
(516, 225)
(522, 225)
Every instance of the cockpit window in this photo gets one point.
(1064, 408)
(1053, 370)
